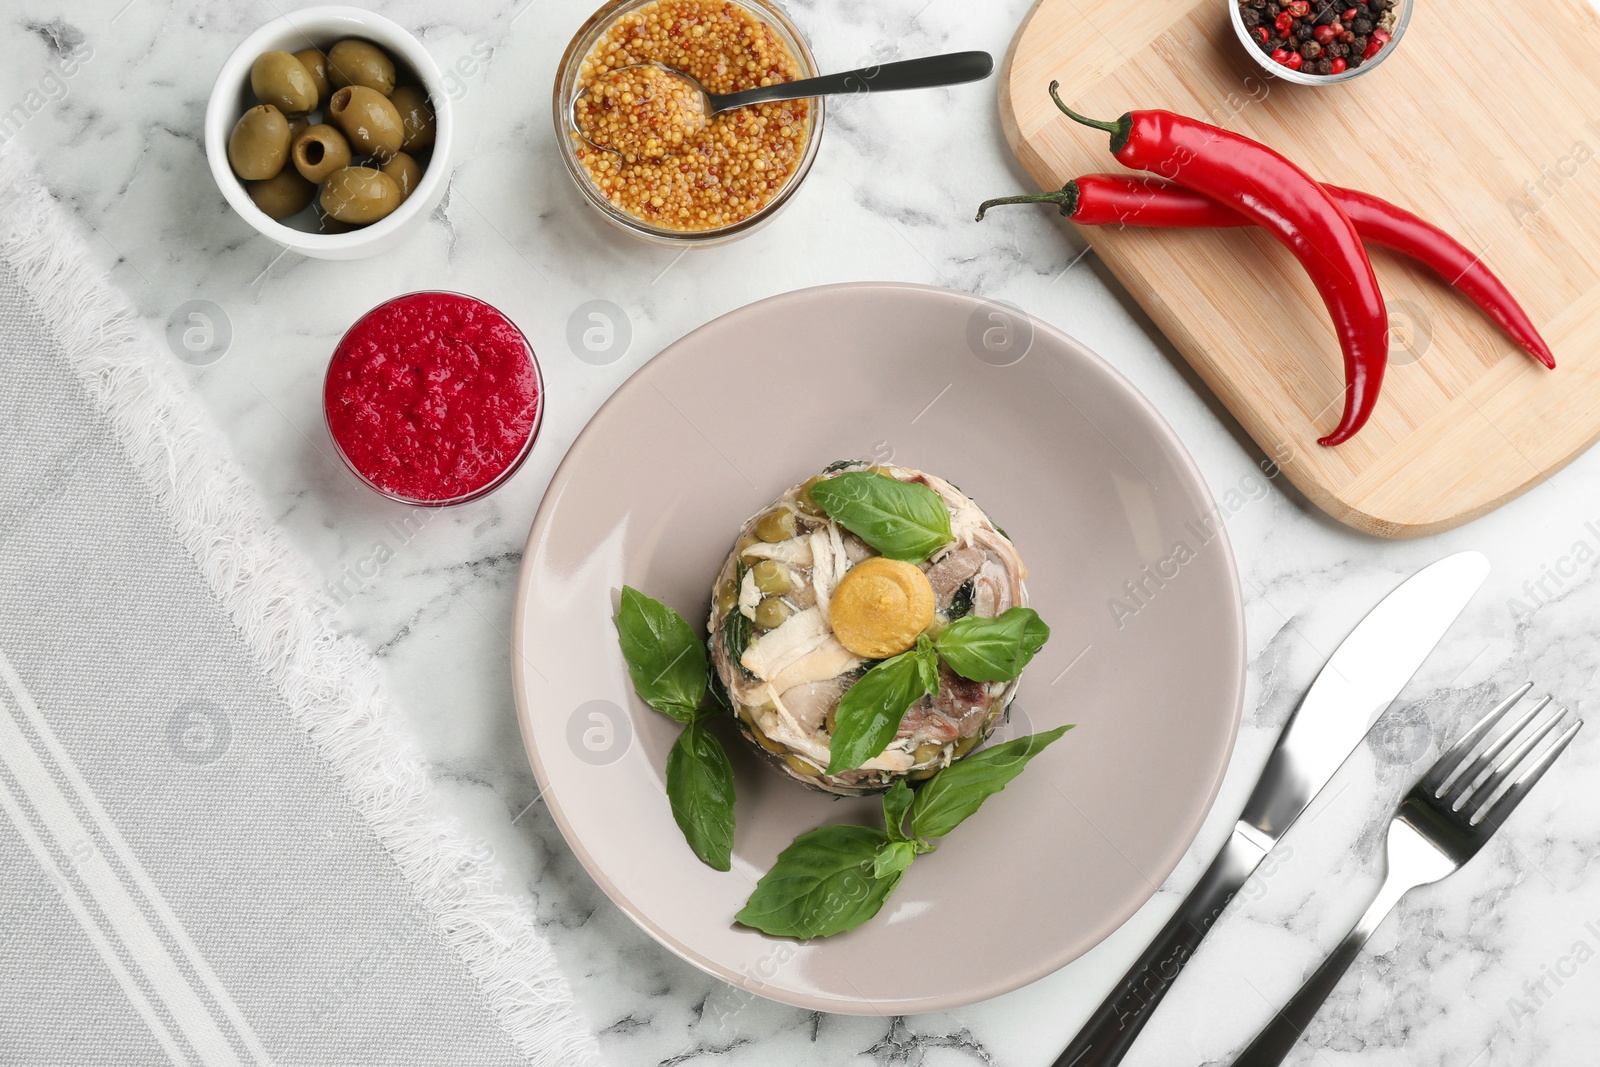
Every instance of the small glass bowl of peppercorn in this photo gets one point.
(705, 185)
(1319, 42)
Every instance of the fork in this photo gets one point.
(1438, 827)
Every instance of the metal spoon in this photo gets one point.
(926, 73)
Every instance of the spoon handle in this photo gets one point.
(922, 73)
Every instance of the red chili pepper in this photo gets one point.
(1289, 204)
(1126, 200)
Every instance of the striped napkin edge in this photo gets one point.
(329, 680)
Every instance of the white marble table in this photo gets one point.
(1492, 967)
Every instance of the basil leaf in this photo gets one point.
(870, 712)
(822, 884)
(903, 520)
(961, 788)
(700, 789)
(736, 638)
(892, 859)
(896, 802)
(665, 660)
(993, 650)
(961, 601)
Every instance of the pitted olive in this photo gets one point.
(282, 195)
(416, 115)
(316, 64)
(319, 152)
(359, 195)
(355, 62)
(259, 144)
(368, 120)
(279, 79)
(406, 173)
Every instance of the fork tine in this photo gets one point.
(1484, 784)
(1488, 820)
(1448, 767)
(1481, 765)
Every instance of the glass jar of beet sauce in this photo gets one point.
(433, 398)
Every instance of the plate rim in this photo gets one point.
(807, 1001)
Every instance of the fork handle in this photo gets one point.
(1272, 1045)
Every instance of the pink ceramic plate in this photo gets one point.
(1128, 564)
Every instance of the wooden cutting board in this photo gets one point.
(1486, 120)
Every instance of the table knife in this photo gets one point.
(1359, 681)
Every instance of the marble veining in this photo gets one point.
(1498, 965)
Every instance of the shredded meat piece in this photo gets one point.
(952, 572)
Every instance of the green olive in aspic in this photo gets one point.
(282, 195)
(416, 114)
(319, 152)
(368, 119)
(359, 195)
(316, 64)
(259, 145)
(355, 62)
(405, 171)
(279, 79)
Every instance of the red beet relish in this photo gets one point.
(433, 398)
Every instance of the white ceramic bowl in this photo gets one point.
(320, 27)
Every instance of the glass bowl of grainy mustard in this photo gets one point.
(717, 182)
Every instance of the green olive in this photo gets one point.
(279, 79)
(416, 115)
(359, 195)
(282, 195)
(804, 501)
(316, 65)
(777, 525)
(926, 751)
(354, 62)
(771, 613)
(259, 144)
(319, 152)
(801, 766)
(368, 120)
(298, 124)
(772, 576)
(405, 171)
(966, 744)
(727, 596)
(746, 541)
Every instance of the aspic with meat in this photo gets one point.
(803, 608)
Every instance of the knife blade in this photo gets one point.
(1359, 681)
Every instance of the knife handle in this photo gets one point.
(1115, 1024)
